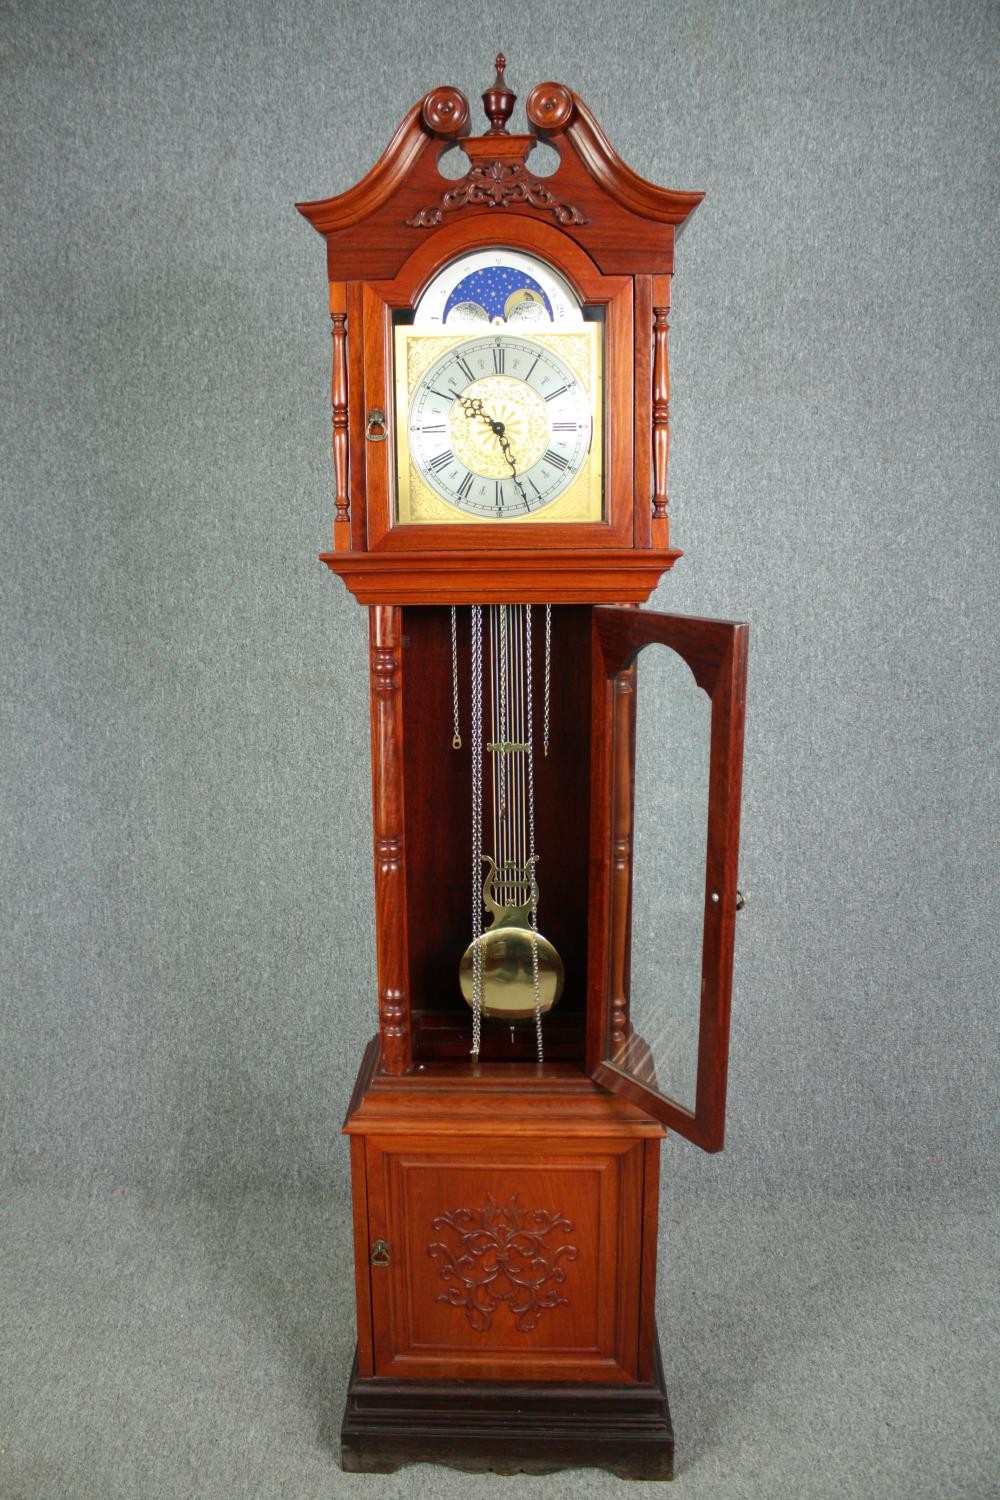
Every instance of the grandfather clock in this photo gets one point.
(500, 440)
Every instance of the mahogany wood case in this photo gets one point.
(505, 1209)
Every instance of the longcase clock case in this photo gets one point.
(506, 1208)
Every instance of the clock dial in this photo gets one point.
(499, 426)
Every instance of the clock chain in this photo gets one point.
(477, 823)
(456, 738)
(548, 675)
(496, 768)
(502, 736)
(526, 610)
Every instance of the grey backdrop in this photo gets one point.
(186, 901)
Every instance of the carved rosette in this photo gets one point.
(497, 184)
(549, 106)
(500, 1254)
(445, 112)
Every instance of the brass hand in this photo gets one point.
(473, 407)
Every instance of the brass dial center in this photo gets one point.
(516, 407)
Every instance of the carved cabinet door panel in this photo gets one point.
(506, 1259)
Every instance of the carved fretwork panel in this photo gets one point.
(507, 1255)
(503, 1255)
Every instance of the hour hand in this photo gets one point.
(473, 407)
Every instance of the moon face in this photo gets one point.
(506, 284)
(467, 315)
(525, 306)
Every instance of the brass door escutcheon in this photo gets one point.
(380, 1254)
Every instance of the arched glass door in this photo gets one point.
(669, 708)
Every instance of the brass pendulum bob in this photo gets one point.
(510, 948)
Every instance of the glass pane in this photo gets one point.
(670, 828)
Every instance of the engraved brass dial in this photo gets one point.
(499, 426)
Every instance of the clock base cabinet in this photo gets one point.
(505, 1253)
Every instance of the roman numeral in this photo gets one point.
(465, 487)
(498, 497)
(556, 427)
(466, 369)
(435, 427)
(553, 394)
(555, 460)
(450, 396)
(529, 374)
(498, 358)
(440, 460)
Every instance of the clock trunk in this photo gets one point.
(437, 823)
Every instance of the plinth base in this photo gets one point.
(509, 1427)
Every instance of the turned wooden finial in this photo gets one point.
(498, 100)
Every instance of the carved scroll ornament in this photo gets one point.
(499, 1254)
(497, 184)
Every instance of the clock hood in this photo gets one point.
(624, 222)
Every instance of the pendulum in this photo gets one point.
(510, 972)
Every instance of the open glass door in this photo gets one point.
(669, 694)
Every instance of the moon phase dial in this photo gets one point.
(499, 426)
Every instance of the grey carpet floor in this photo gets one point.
(159, 1347)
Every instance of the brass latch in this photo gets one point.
(376, 430)
(380, 1254)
